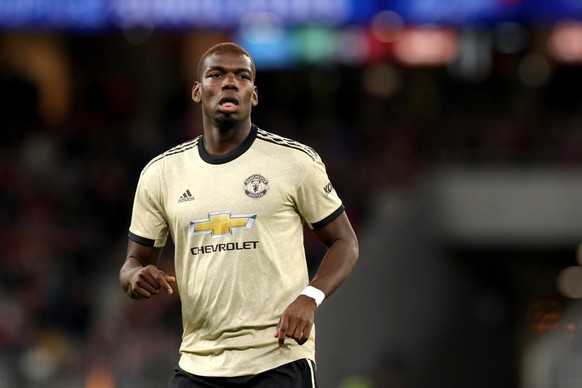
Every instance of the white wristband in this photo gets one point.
(314, 293)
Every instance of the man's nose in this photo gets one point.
(230, 81)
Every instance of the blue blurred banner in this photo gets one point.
(99, 14)
(224, 14)
(459, 12)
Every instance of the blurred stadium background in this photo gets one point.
(453, 131)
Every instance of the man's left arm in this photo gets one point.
(342, 254)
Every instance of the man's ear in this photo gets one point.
(196, 92)
(255, 97)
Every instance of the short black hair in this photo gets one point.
(225, 46)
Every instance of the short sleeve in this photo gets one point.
(317, 200)
(148, 222)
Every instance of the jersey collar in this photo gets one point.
(232, 155)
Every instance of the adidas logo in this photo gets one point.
(187, 196)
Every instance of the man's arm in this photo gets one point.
(139, 277)
(341, 256)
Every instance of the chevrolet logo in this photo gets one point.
(221, 224)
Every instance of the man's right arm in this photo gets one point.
(139, 277)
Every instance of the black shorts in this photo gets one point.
(297, 374)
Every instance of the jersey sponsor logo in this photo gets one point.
(221, 224)
(256, 186)
(233, 246)
(328, 188)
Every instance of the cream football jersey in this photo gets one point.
(237, 225)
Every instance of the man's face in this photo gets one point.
(226, 89)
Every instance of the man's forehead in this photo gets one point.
(224, 58)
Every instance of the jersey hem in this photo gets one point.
(256, 371)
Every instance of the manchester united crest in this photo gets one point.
(256, 186)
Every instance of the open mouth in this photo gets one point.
(228, 104)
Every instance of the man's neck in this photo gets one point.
(221, 140)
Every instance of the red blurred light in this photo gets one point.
(565, 42)
(427, 47)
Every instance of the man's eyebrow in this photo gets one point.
(222, 68)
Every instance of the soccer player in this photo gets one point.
(234, 201)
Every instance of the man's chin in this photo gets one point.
(225, 122)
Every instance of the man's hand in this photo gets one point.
(297, 320)
(147, 281)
